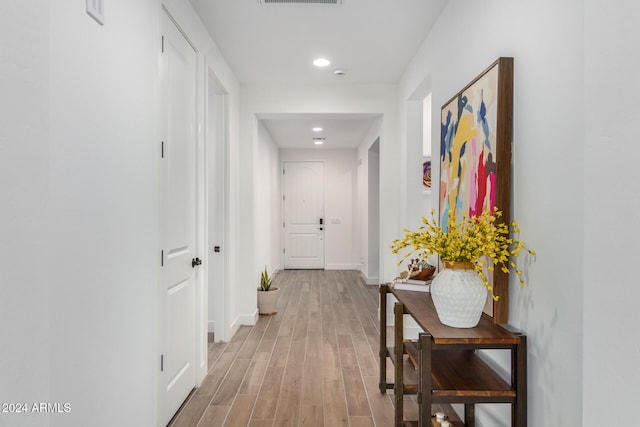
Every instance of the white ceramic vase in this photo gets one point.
(458, 295)
(268, 301)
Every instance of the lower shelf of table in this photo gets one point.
(458, 376)
(462, 376)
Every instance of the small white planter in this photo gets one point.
(459, 296)
(267, 301)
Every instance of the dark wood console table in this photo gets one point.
(448, 368)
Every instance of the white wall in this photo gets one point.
(340, 197)
(24, 217)
(611, 199)
(368, 216)
(373, 213)
(79, 218)
(545, 38)
(103, 213)
(268, 248)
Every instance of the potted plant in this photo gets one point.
(467, 247)
(267, 295)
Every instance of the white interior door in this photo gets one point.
(304, 215)
(177, 236)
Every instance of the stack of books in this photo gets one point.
(412, 285)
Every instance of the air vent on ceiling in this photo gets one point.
(300, 2)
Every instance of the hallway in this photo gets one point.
(312, 364)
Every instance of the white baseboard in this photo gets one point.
(342, 267)
(244, 319)
(233, 328)
(253, 318)
(374, 280)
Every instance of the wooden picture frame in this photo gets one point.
(475, 158)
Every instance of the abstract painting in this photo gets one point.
(475, 153)
(426, 172)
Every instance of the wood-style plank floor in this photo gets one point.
(313, 364)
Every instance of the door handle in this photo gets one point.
(195, 261)
(321, 229)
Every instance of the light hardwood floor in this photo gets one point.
(314, 363)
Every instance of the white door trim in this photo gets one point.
(202, 242)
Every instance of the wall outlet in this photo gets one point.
(95, 9)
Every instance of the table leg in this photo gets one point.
(425, 386)
(383, 339)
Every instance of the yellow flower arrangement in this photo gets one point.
(474, 239)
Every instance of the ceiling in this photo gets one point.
(371, 40)
(341, 131)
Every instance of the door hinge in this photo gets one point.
(162, 363)
(283, 250)
(282, 224)
(419, 397)
(161, 258)
(283, 197)
(162, 44)
(282, 171)
(162, 150)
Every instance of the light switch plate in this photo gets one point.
(95, 9)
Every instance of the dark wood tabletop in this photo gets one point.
(420, 306)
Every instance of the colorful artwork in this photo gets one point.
(470, 146)
(426, 172)
(475, 157)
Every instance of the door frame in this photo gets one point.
(201, 238)
(217, 153)
(202, 219)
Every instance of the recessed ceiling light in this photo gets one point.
(317, 129)
(321, 62)
(318, 142)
